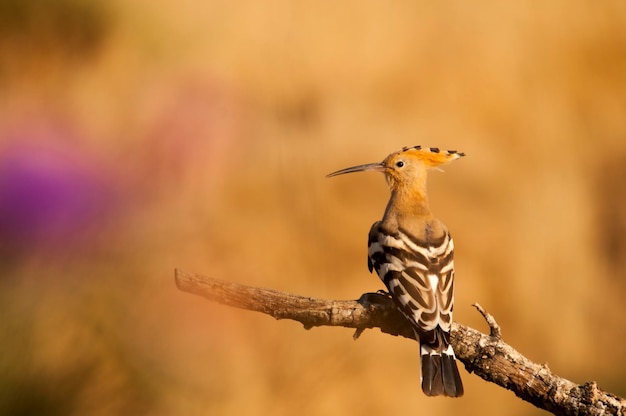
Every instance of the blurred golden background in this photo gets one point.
(136, 137)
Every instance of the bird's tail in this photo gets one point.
(440, 375)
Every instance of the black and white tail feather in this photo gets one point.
(440, 375)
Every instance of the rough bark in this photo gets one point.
(487, 356)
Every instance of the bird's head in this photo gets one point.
(406, 167)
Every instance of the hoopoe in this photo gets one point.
(412, 253)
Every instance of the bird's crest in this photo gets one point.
(430, 156)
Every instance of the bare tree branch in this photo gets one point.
(485, 355)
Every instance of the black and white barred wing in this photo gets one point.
(419, 276)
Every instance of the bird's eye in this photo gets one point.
(399, 163)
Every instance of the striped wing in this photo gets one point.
(420, 279)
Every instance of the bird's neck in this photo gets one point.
(408, 202)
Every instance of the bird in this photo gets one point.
(413, 254)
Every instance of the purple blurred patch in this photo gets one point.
(51, 196)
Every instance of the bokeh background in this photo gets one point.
(136, 137)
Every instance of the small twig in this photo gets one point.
(357, 333)
(485, 355)
(494, 328)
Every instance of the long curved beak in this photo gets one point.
(378, 167)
